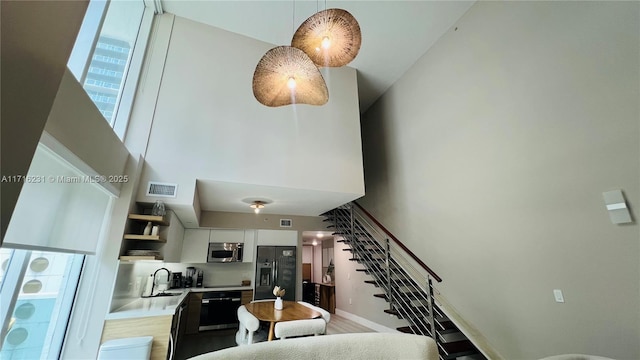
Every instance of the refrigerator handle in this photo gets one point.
(276, 277)
(273, 273)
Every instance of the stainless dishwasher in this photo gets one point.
(219, 310)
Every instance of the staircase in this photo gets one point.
(405, 282)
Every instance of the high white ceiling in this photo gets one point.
(394, 33)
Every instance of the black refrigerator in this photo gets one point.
(275, 266)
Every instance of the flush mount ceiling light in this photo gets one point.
(330, 37)
(257, 205)
(286, 75)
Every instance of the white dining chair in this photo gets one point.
(249, 325)
(287, 329)
(326, 316)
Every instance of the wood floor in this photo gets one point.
(340, 325)
(192, 345)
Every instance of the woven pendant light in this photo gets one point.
(330, 37)
(285, 75)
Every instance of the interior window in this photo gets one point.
(102, 59)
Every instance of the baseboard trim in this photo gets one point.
(364, 322)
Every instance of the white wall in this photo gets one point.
(354, 296)
(489, 157)
(307, 254)
(206, 113)
(317, 264)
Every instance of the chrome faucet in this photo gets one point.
(154, 278)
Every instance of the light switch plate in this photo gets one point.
(557, 294)
(617, 207)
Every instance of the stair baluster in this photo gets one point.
(391, 270)
(387, 262)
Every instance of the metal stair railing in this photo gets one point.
(407, 282)
(408, 289)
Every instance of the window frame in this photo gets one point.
(12, 287)
(81, 60)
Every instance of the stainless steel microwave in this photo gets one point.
(225, 252)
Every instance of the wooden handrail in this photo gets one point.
(402, 246)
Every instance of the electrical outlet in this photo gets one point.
(348, 276)
(349, 301)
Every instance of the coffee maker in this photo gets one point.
(188, 279)
(176, 280)
(199, 278)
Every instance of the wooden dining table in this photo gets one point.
(291, 310)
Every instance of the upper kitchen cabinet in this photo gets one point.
(277, 237)
(195, 246)
(249, 245)
(226, 236)
(172, 249)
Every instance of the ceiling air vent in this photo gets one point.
(162, 189)
(285, 222)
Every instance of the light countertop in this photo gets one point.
(220, 288)
(164, 305)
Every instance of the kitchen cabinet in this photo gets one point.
(193, 313)
(247, 237)
(277, 237)
(249, 246)
(195, 246)
(226, 236)
(178, 326)
(196, 243)
(326, 297)
(172, 249)
(247, 297)
(157, 326)
(161, 327)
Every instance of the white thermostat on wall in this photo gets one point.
(617, 207)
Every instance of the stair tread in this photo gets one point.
(412, 329)
(407, 296)
(458, 348)
(371, 282)
(445, 324)
(392, 312)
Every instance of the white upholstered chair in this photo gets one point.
(249, 325)
(286, 329)
(326, 316)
